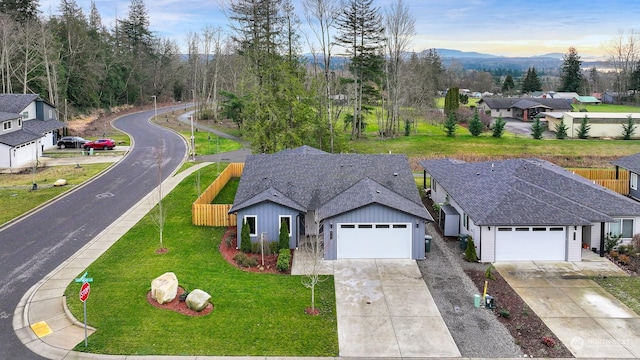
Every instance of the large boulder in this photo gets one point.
(60, 182)
(164, 288)
(197, 300)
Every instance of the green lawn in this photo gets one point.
(228, 192)
(254, 314)
(607, 108)
(16, 196)
(626, 289)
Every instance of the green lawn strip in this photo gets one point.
(254, 314)
(606, 108)
(228, 192)
(16, 196)
(625, 289)
(207, 143)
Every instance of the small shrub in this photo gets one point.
(635, 241)
(284, 236)
(229, 241)
(245, 238)
(504, 313)
(284, 257)
(628, 129)
(498, 127)
(239, 258)
(549, 341)
(450, 125)
(475, 125)
(245, 261)
(470, 253)
(561, 130)
(611, 241)
(488, 274)
(436, 208)
(256, 248)
(614, 254)
(274, 247)
(537, 129)
(583, 130)
(624, 259)
(624, 249)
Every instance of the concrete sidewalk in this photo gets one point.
(586, 318)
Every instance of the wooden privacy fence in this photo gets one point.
(204, 213)
(607, 178)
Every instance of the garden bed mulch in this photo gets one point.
(631, 267)
(228, 251)
(528, 330)
(179, 306)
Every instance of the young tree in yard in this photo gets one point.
(283, 240)
(629, 128)
(475, 125)
(570, 73)
(450, 124)
(561, 130)
(245, 238)
(470, 254)
(508, 84)
(583, 130)
(452, 101)
(313, 274)
(531, 82)
(498, 127)
(159, 214)
(537, 129)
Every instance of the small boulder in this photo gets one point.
(198, 300)
(60, 182)
(164, 288)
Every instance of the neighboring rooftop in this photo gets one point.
(631, 163)
(15, 103)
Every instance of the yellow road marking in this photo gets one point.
(41, 329)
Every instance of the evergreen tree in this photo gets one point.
(283, 240)
(583, 130)
(22, 11)
(570, 74)
(362, 35)
(452, 101)
(531, 82)
(498, 127)
(537, 129)
(629, 128)
(450, 125)
(508, 84)
(561, 130)
(475, 125)
(245, 238)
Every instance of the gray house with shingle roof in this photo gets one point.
(29, 125)
(632, 164)
(530, 209)
(363, 206)
(522, 108)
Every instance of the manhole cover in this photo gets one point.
(104, 195)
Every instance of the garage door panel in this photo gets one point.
(370, 241)
(530, 243)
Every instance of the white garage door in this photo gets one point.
(530, 243)
(371, 241)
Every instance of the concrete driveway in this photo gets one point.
(384, 309)
(587, 319)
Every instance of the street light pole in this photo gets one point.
(193, 141)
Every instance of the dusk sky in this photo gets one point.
(499, 27)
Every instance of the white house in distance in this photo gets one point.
(29, 125)
(602, 124)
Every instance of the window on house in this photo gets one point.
(622, 226)
(465, 221)
(19, 122)
(25, 115)
(6, 125)
(252, 220)
(50, 114)
(286, 221)
(434, 185)
(633, 181)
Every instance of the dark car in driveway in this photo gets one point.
(104, 144)
(71, 142)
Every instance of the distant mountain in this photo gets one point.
(449, 53)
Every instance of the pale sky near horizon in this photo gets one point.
(498, 27)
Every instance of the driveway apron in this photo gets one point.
(586, 318)
(384, 309)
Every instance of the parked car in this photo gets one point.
(71, 141)
(104, 144)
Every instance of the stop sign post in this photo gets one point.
(84, 291)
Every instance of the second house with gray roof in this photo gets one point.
(363, 206)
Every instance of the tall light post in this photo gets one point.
(193, 141)
(155, 108)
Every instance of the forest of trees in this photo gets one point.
(253, 70)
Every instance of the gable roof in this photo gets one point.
(15, 103)
(526, 103)
(527, 192)
(631, 163)
(18, 137)
(308, 179)
(587, 99)
(41, 126)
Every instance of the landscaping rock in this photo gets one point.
(60, 182)
(198, 300)
(164, 288)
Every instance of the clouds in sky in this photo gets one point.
(510, 28)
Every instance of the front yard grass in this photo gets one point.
(254, 314)
(16, 196)
(228, 192)
(625, 289)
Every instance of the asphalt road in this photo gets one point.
(34, 246)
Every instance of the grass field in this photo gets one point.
(607, 108)
(16, 196)
(254, 314)
(625, 289)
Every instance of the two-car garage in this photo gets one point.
(373, 240)
(531, 243)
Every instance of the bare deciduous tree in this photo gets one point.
(159, 214)
(624, 53)
(313, 265)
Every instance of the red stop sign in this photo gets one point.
(84, 291)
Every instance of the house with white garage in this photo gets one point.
(630, 163)
(601, 124)
(363, 206)
(29, 125)
(529, 209)
(521, 108)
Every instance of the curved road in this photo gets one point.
(34, 246)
